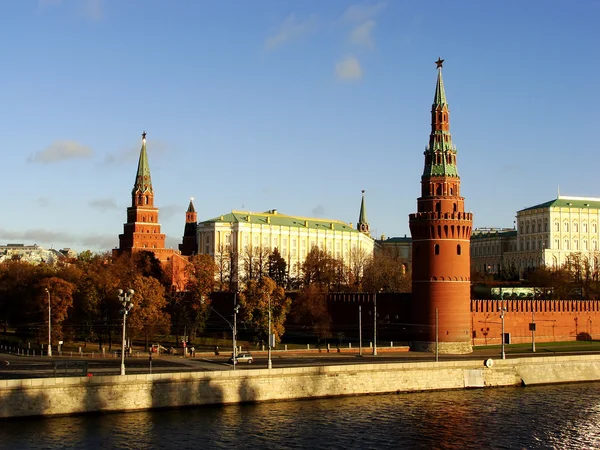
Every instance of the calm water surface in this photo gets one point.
(560, 417)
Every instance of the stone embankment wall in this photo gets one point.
(555, 320)
(56, 396)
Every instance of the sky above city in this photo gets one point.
(289, 105)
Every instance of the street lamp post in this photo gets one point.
(375, 324)
(125, 298)
(236, 309)
(49, 324)
(232, 326)
(360, 330)
(502, 314)
(532, 326)
(269, 363)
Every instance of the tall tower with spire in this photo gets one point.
(142, 230)
(441, 232)
(362, 224)
(189, 246)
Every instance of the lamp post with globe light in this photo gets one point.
(125, 299)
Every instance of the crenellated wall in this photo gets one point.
(555, 320)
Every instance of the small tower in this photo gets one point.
(142, 230)
(441, 232)
(189, 246)
(362, 224)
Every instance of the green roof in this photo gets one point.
(275, 218)
(143, 181)
(440, 93)
(568, 202)
(488, 234)
(440, 141)
(396, 240)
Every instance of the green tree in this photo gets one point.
(255, 302)
(319, 267)
(278, 268)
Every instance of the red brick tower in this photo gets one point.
(441, 232)
(189, 246)
(142, 230)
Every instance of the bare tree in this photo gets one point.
(223, 262)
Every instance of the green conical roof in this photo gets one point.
(362, 217)
(440, 94)
(143, 181)
(440, 154)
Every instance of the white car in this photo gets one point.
(242, 357)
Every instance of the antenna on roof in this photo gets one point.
(558, 193)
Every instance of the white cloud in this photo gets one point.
(172, 242)
(88, 9)
(318, 211)
(103, 204)
(43, 202)
(93, 9)
(348, 69)
(59, 239)
(168, 211)
(61, 151)
(130, 154)
(290, 29)
(362, 35)
(362, 12)
(45, 3)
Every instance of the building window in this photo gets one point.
(584, 226)
(594, 228)
(436, 249)
(566, 244)
(575, 227)
(566, 226)
(556, 226)
(458, 249)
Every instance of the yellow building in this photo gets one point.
(546, 235)
(241, 237)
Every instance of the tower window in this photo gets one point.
(458, 249)
(436, 249)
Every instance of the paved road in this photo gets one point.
(13, 366)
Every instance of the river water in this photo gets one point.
(559, 417)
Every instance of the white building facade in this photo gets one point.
(546, 235)
(239, 233)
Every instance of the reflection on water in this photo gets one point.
(561, 417)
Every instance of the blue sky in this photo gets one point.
(292, 105)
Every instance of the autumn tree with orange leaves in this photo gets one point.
(148, 318)
(60, 294)
(255, 301)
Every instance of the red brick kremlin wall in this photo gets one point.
(556, 320)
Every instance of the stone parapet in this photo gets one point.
(76, 395)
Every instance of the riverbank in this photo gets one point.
(76, 395)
